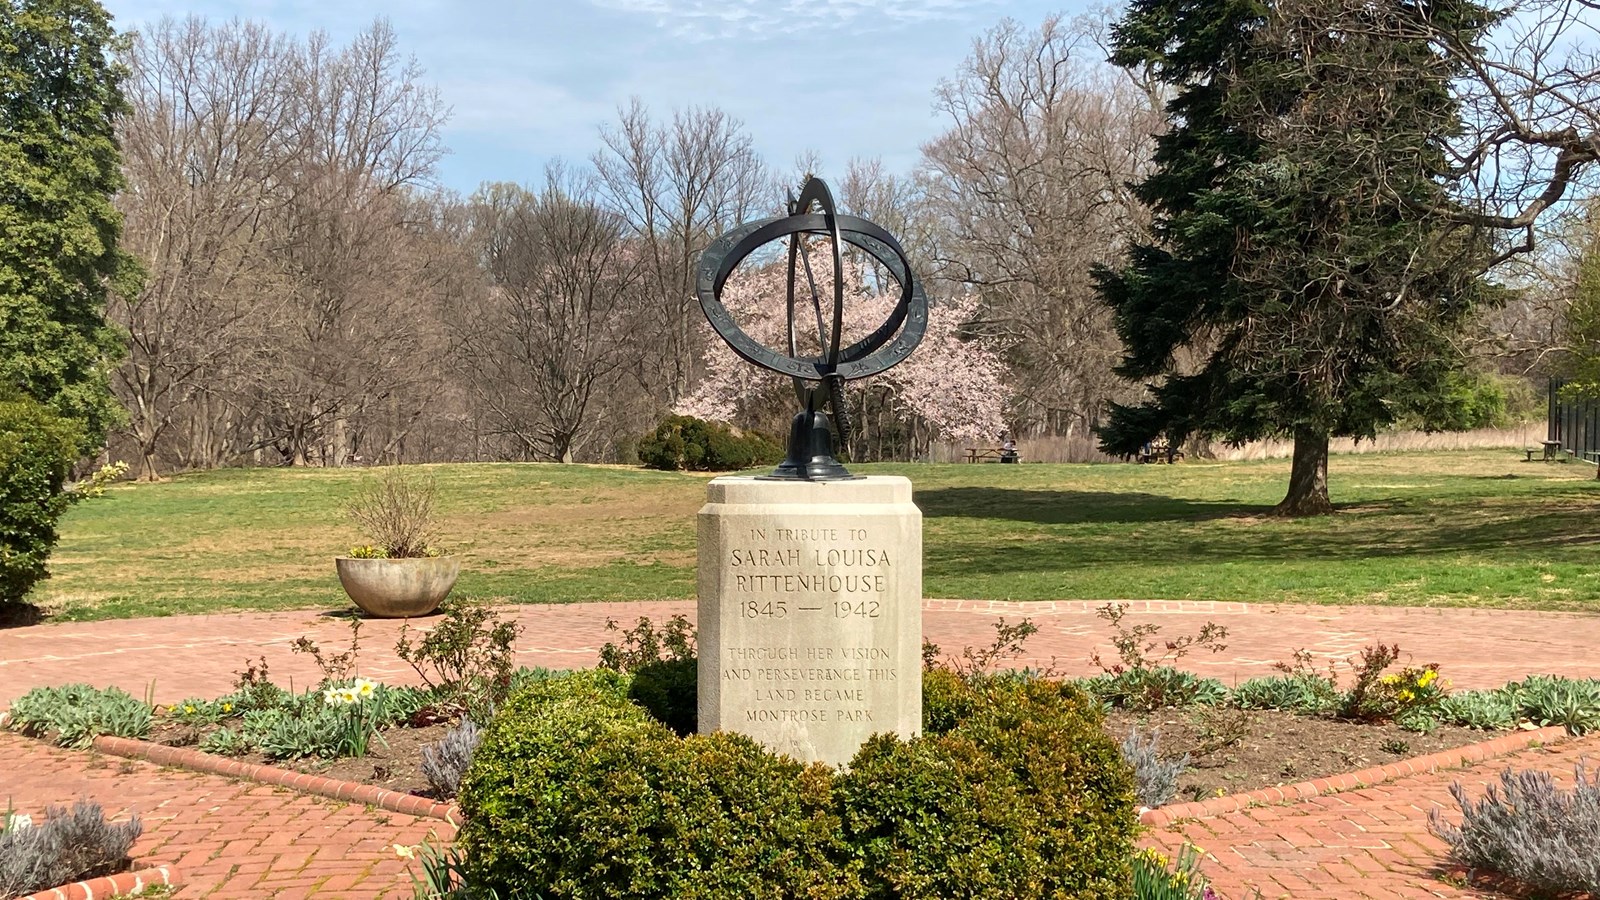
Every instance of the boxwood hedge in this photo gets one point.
(1012, 792)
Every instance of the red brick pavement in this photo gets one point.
(1370, 843)
(232, 839)
(184, 656)
(228, 839)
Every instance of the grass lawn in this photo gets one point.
(1479, 528)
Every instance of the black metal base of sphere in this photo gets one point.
(810, 456)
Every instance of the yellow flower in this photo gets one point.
(1427, 678)
(227, 707)
(1405, 695)
(1389, 679)
(1221, 792)
(365, 686)
(348, 695)
(188, 710)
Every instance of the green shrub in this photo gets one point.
(37, 449)
(946, 700)
(338, 721)
(687, 443)
(1488, 710)
(670, 691)
(664, 667)
(575, 792)
(1155, 688)
(1555, 700)
(224, 742)
(1076, 792)
(466, 659)
(1301, 693)
(78, 713)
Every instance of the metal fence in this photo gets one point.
(1575, 423)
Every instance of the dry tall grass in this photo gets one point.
(1082, 448)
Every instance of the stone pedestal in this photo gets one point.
(810, 616)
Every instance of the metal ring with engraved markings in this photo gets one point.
(885, 347)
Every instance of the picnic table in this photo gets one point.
(1552, 451)
(992, 454)
(1159, 452)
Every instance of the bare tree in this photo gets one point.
(296, 269)
(1029, 187)
(560, 321)
(206, 147)
(677, 186)
(1530, 98)
(353, 245)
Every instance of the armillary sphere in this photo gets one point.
(819, 380)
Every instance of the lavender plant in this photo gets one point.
(66, 846)
(1155, 778)
(1530, 830)
(444, 763)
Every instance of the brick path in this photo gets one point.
(1370, 843)
(185, 656)
(237, 840)
(228, 839)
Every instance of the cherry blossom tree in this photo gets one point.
(954, 387)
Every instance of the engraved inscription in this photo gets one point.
(812, 574)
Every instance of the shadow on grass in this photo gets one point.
(20, 615)
(1201, 532)
(1073, 507)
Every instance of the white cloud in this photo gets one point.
(708, 19)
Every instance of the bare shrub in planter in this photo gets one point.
(1530, 830)
(396, 512)
(65, 847)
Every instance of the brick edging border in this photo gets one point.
(184, 758)
(1291, 793)
(410, 804)
(111, 885)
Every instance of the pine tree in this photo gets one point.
(1301, 280)
(60, 95)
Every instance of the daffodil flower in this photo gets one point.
(405, 851)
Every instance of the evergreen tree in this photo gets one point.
(60, 95)
(1301, 281)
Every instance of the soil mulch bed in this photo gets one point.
(1230, 750)
(394, 763)
(1233, 750)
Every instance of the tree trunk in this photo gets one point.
(1308, 476)
(147, 455)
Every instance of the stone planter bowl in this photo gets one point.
(398, 588)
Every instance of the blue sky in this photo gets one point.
(531, 81)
